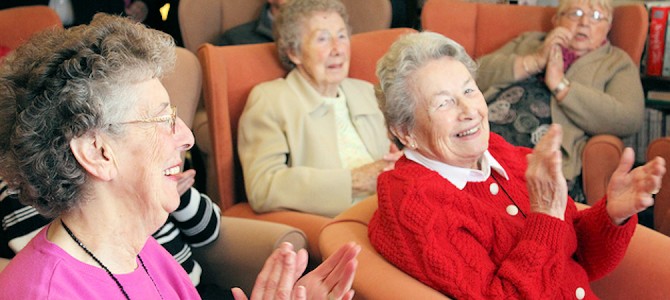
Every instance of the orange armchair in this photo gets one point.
(643, 273)
(483, 28)
(230, 72)
(202, 21)
(19, 23)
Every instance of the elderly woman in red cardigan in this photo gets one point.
(475, 217)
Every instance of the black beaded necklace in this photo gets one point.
(105, 267)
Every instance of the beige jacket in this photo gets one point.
(605, 95)
(288, 146)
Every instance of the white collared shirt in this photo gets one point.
(458, 176)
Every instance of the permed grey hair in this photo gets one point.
(63, 84)
(290, 24)
(396, 92)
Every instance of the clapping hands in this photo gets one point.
(547, 188)
(630, 192)
(280, 276)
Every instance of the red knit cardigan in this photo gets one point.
(466, 245)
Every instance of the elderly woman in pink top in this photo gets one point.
(89, 137)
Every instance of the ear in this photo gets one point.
(94, 154)
(294, 57)
(405, 137)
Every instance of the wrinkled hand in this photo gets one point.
(333, 278)
(137, 11)
(278, 276)
(554, 72)
(547, 188)
(185, 181)
(630, 192)
(330, 280)
(364, 178)
(559, 36)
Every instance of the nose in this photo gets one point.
(585, 19)
(183, 135)
(336, 46)
(467, 107)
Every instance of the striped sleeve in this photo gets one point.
(19, 222)
(198, 218)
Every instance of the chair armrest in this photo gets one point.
(600, 158)
(375, 277)
(661, 147)
(310, 224)
(237, 256)
(373, 270)
(644, 272)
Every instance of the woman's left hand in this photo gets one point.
(554, 72)
(333, 278)
(277, 278)
(630, 192)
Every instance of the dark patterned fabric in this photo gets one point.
(521, 113)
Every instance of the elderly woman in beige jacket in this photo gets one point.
(314, 141)
(594, 88)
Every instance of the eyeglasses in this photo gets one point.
(576, 14)
(171, 119)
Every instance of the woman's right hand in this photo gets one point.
(364, 178)
(559, 36)
(547, 188)
(280, 277)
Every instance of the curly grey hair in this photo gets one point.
(63, 84)
(396, 92)
(290, 24)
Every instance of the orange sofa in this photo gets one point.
(230, 72)
(483, 28)
(643, 274)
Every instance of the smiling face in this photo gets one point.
(323, 58)
(148, 153)
(451, 117)
(588, 34)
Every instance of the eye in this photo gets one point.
(469, 91)
(444, 103)
(597, 16)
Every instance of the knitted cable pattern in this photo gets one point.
(466, 245)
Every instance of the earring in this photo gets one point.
(412, 145)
